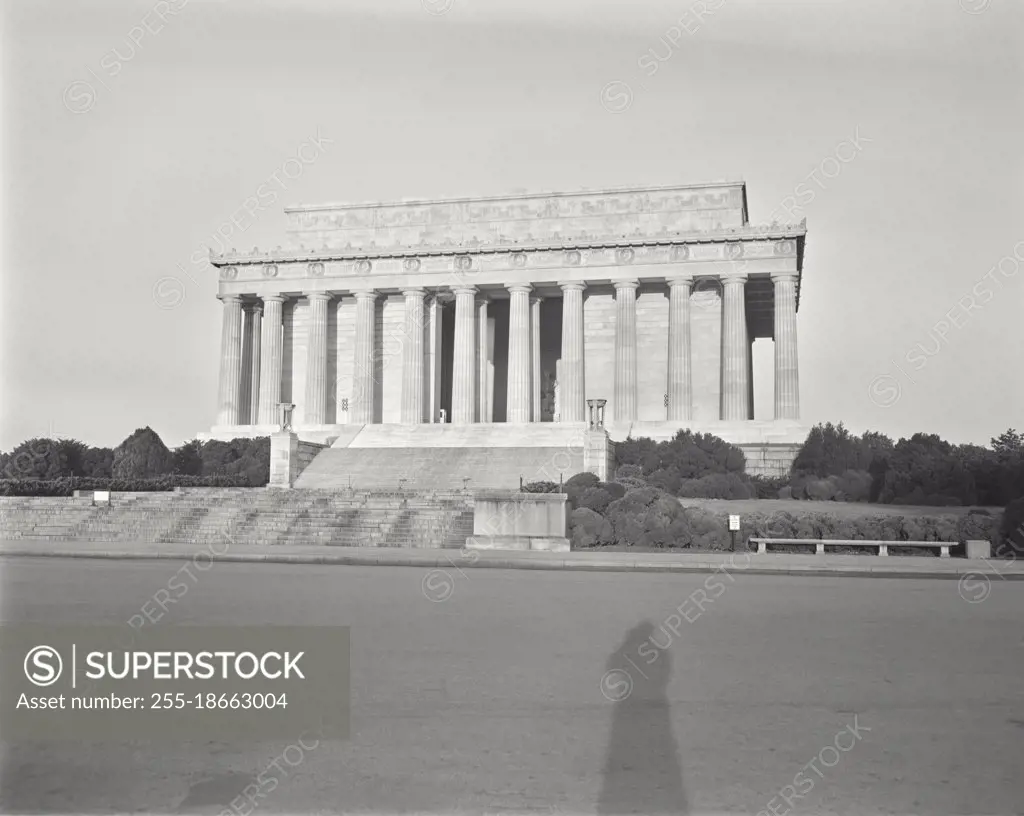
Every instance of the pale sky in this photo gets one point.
(109, 193)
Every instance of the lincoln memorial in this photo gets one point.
(491, 322)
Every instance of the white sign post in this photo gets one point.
(734, 527)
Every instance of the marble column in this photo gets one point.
(680, 365)
(483, 363)
(750, 373)
(228, 402)
(412, 357)
(315, 409)
(255, 328)
(432, 361)
(572, 388)
(519, 402)
(249, 345)
(364, 381)
(464, 362)
(535, 388)
(272, 346)
(735, 348)
(625, 409)
(787, 372)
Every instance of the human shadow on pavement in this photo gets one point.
(642, 772)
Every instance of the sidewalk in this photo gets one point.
(752, 563)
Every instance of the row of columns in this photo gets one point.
(249, 368)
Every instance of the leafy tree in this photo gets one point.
(1010, 443)
(74, 455)
(98, 463)
(142, 455)
(37, 458)
(188, 458)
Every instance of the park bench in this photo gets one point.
(883, 546)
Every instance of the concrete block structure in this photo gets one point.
(503, 316)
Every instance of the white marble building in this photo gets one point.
(516, 310)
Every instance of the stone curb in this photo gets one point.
(527, 562)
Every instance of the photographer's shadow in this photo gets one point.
(642, 772)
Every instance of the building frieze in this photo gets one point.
(751, 241)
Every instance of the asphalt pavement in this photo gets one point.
(505, 692)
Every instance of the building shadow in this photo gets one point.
(642, 772)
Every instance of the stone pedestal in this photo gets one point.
(978, 549)
(599, 454)
(289, 457)
(508, 520)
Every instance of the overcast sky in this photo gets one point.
(121, 160)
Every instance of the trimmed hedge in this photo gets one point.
(649, 517)
(67, 486)
(540, 487)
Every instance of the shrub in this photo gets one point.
(717, 486)
(978, 525)
(66, 486)
(1012, 528)
(708, 530)
(629, 483)
(540, 487)
(596, 499)
(855, 485)
(579, 484)
(647, 517)
(768, 487)
(628, 472)
(615, 489)
(589, 529)
(667, 479)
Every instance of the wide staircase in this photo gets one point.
(254, 516)
(452, 457)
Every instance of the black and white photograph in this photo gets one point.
(470, 407)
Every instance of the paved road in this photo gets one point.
(492, 700)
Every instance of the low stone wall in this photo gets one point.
(769, 458)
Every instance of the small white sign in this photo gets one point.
(101, 496)
(734, 522)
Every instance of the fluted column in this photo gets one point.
(432, 361)
(535, 413)
(252, 410)
(519, 353)
(735, 348)
(483, 383)
(625, 351)
(363, 380)
(245, 396)
(787, 371)
(680, 366)
(464, 357)
(315, 409)
(412, 357)
(572, 388)
(228, 401)
(272, 342)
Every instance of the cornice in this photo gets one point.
(302, 254)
